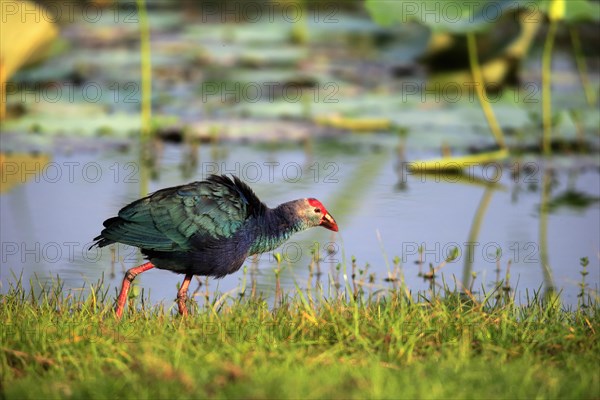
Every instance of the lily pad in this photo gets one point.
(458, 163)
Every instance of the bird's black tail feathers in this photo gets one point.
(102, 241)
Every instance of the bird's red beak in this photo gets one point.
(328, 222)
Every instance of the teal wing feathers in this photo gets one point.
(174, 219)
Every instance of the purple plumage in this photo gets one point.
(206, 228)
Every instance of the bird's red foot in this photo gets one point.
(129, 277)
(182, 295)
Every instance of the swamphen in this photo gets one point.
(206, 228)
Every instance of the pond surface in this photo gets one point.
(230, 80)
(383, 210)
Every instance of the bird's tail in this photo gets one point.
(101, 240)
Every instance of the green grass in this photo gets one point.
(58, 345)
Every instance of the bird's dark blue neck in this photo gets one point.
(274, 227)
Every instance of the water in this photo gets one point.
(52, 206)
(384, 211)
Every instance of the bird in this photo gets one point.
(206, 228)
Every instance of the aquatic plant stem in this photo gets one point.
(2, 98)
(146, 78)
(543, 227)
(590, 94)
(481, 91)
(474, 234)
(547, 89)
(146, 70)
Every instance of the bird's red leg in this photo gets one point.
(129, 277)
(182, 294)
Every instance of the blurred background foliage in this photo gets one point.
(424, 41)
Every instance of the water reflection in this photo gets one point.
(474, 235)
(547, 179)
(362, 192)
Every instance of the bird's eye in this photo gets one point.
(317, 210)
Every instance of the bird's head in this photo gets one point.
(315, 214)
